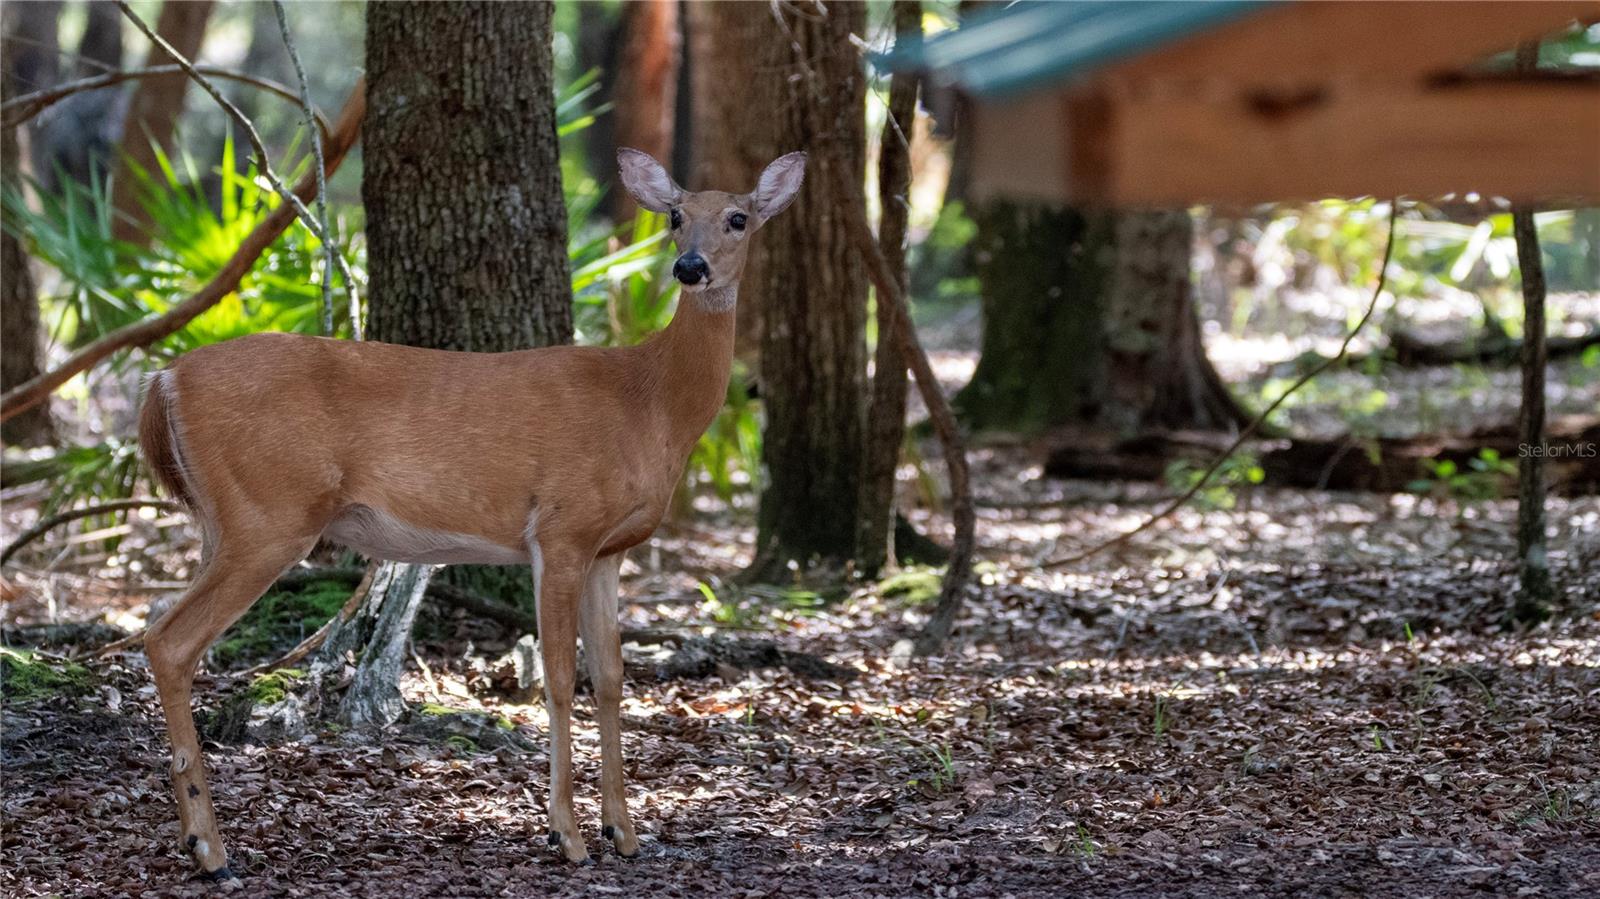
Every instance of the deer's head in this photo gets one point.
(711, 228)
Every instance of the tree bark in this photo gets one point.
(887, 411)
(20, 334)
(811, 95)
(466, 226)
(1535, 593)
(734, 137)
(100, 49)
(1089, 319)
(645, 92)
(153, 112)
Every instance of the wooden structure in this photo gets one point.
(1232, 103)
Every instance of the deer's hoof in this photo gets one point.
(626, 843)
(571, 849)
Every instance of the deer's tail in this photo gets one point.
(158, 439)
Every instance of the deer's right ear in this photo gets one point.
(647, 181)
(779, 184)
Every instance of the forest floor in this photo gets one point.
(1310, 694)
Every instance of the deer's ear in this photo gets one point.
(779, 184)
(647, 181)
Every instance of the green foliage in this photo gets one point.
(914, 586)
(107, 284)
(279, 621)
(26, 676)
(1485, 477)
(1238, 472)
(940, 265)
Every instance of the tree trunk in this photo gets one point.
(1089, 319)
(645, 91)
(153, 112)
(887, 412)
(100, 49)
(466, 227)
(733, 136)
(811, 95)
(1535, 593)
(23, 356)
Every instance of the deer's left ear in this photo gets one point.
(647, 181)
(779, 184)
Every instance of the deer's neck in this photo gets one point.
(696, 360)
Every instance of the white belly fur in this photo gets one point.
(379, 535)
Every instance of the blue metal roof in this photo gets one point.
(1034, 44)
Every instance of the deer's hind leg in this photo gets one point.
(239, 567)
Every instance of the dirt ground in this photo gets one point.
(1309, 695)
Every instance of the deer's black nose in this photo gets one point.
(691, 268)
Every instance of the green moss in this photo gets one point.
(429, 708)
(914, 585)
(273, 687)
(460, 743)
(279, 621)
(26, 677)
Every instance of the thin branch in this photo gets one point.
(959, 573)
(33, 392)
(310, 644)
(1255, 424)
(18, 110)
(263, 164)
(330, 249)
(50, 522)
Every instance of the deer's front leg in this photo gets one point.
(602, 650)
(560, 586)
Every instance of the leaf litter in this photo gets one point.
(1309, 694)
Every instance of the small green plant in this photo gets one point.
(914, 586)
(1086, 846)
(942, 771)
(1160, 721)
(1240, 471)
(1486, 476)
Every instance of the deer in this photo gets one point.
(560, 458)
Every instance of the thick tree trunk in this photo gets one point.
(887, 411)
(646, 88)
(153, 112)
(100, 49)
(22, 356)
(466, 227)
(733, 137)
(1089, 319)
(811, 96)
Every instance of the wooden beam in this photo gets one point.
(1537, 141)
(1322, 42)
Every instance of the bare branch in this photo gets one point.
(50, 522)
(330, 249)
(1255, 424)
(31, 393)
(263, 163)
(18, 110)
(959, 573)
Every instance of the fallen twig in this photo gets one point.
(1255, 424)
(52, 521)
(346, 131)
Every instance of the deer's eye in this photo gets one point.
(736, 221)
(676, 218)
